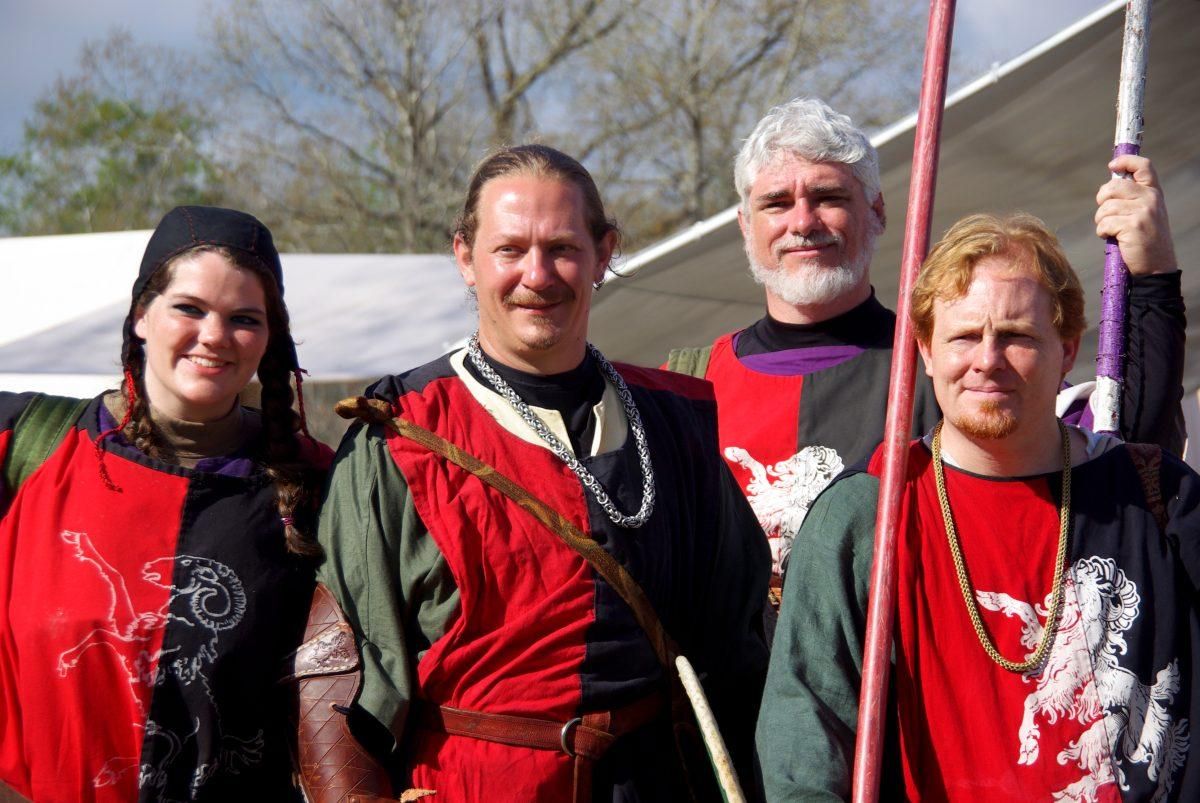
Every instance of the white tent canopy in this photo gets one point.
(52, 280)
(354, 316)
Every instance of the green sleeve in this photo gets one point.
(690, 361)
(386, 571)
(809, 713)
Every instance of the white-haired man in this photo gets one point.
(802, 392)
(1046, 640)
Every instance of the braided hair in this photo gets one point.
(279, 446)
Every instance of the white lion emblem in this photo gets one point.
(1125, 719)
(780, 495)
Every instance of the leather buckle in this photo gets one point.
(566, 734)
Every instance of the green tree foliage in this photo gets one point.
(106, 151)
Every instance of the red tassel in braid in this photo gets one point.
(130, 393)
(298, 373)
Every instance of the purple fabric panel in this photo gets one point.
(1079, 414)
(792, 362)
(235, 465)
(1111, 346)
(229, 466)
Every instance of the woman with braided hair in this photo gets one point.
(156, 550)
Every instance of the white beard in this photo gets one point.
(811, 283)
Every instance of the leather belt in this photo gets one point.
(588, 736)
(584, 738)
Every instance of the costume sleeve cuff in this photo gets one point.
(1157, 286)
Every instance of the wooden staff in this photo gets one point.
(714, 743)
(872, 708)
(1110, 351)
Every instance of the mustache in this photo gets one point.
(522, 297)
(800, 241)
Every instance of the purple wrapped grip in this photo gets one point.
(1110, 348)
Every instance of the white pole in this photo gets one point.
(722, 763)
(1110, 352)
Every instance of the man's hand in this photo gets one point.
(1134, 212)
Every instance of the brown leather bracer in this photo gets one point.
(327, 670)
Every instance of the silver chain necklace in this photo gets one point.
(565, 454)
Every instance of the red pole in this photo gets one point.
(877, 652)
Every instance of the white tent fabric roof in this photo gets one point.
(1035, 134)
(51, 280)
(354, 315)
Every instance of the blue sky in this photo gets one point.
(41, 39)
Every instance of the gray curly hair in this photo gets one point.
(809, 128)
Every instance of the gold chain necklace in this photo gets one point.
(960, 566)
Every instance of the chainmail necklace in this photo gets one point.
(565, 454)
(1060, 562)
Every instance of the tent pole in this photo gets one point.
(881, 606)
(1110, 351)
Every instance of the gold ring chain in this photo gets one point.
(960, 566)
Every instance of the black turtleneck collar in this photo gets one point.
(572, 393)
(870, 325)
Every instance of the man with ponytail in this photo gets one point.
(522, 535)
(156, 549)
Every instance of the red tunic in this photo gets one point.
(515, 578)
(961, 714)
(116, 646)
(756, 438)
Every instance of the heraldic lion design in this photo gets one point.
(1126, 722)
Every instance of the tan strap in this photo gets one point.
(409, 796)
(616, 575)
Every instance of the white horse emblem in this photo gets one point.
(781, 494)
(1124, 719)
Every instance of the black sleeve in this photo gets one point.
(734, 654)
(1151, 410)
(1180, 489)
